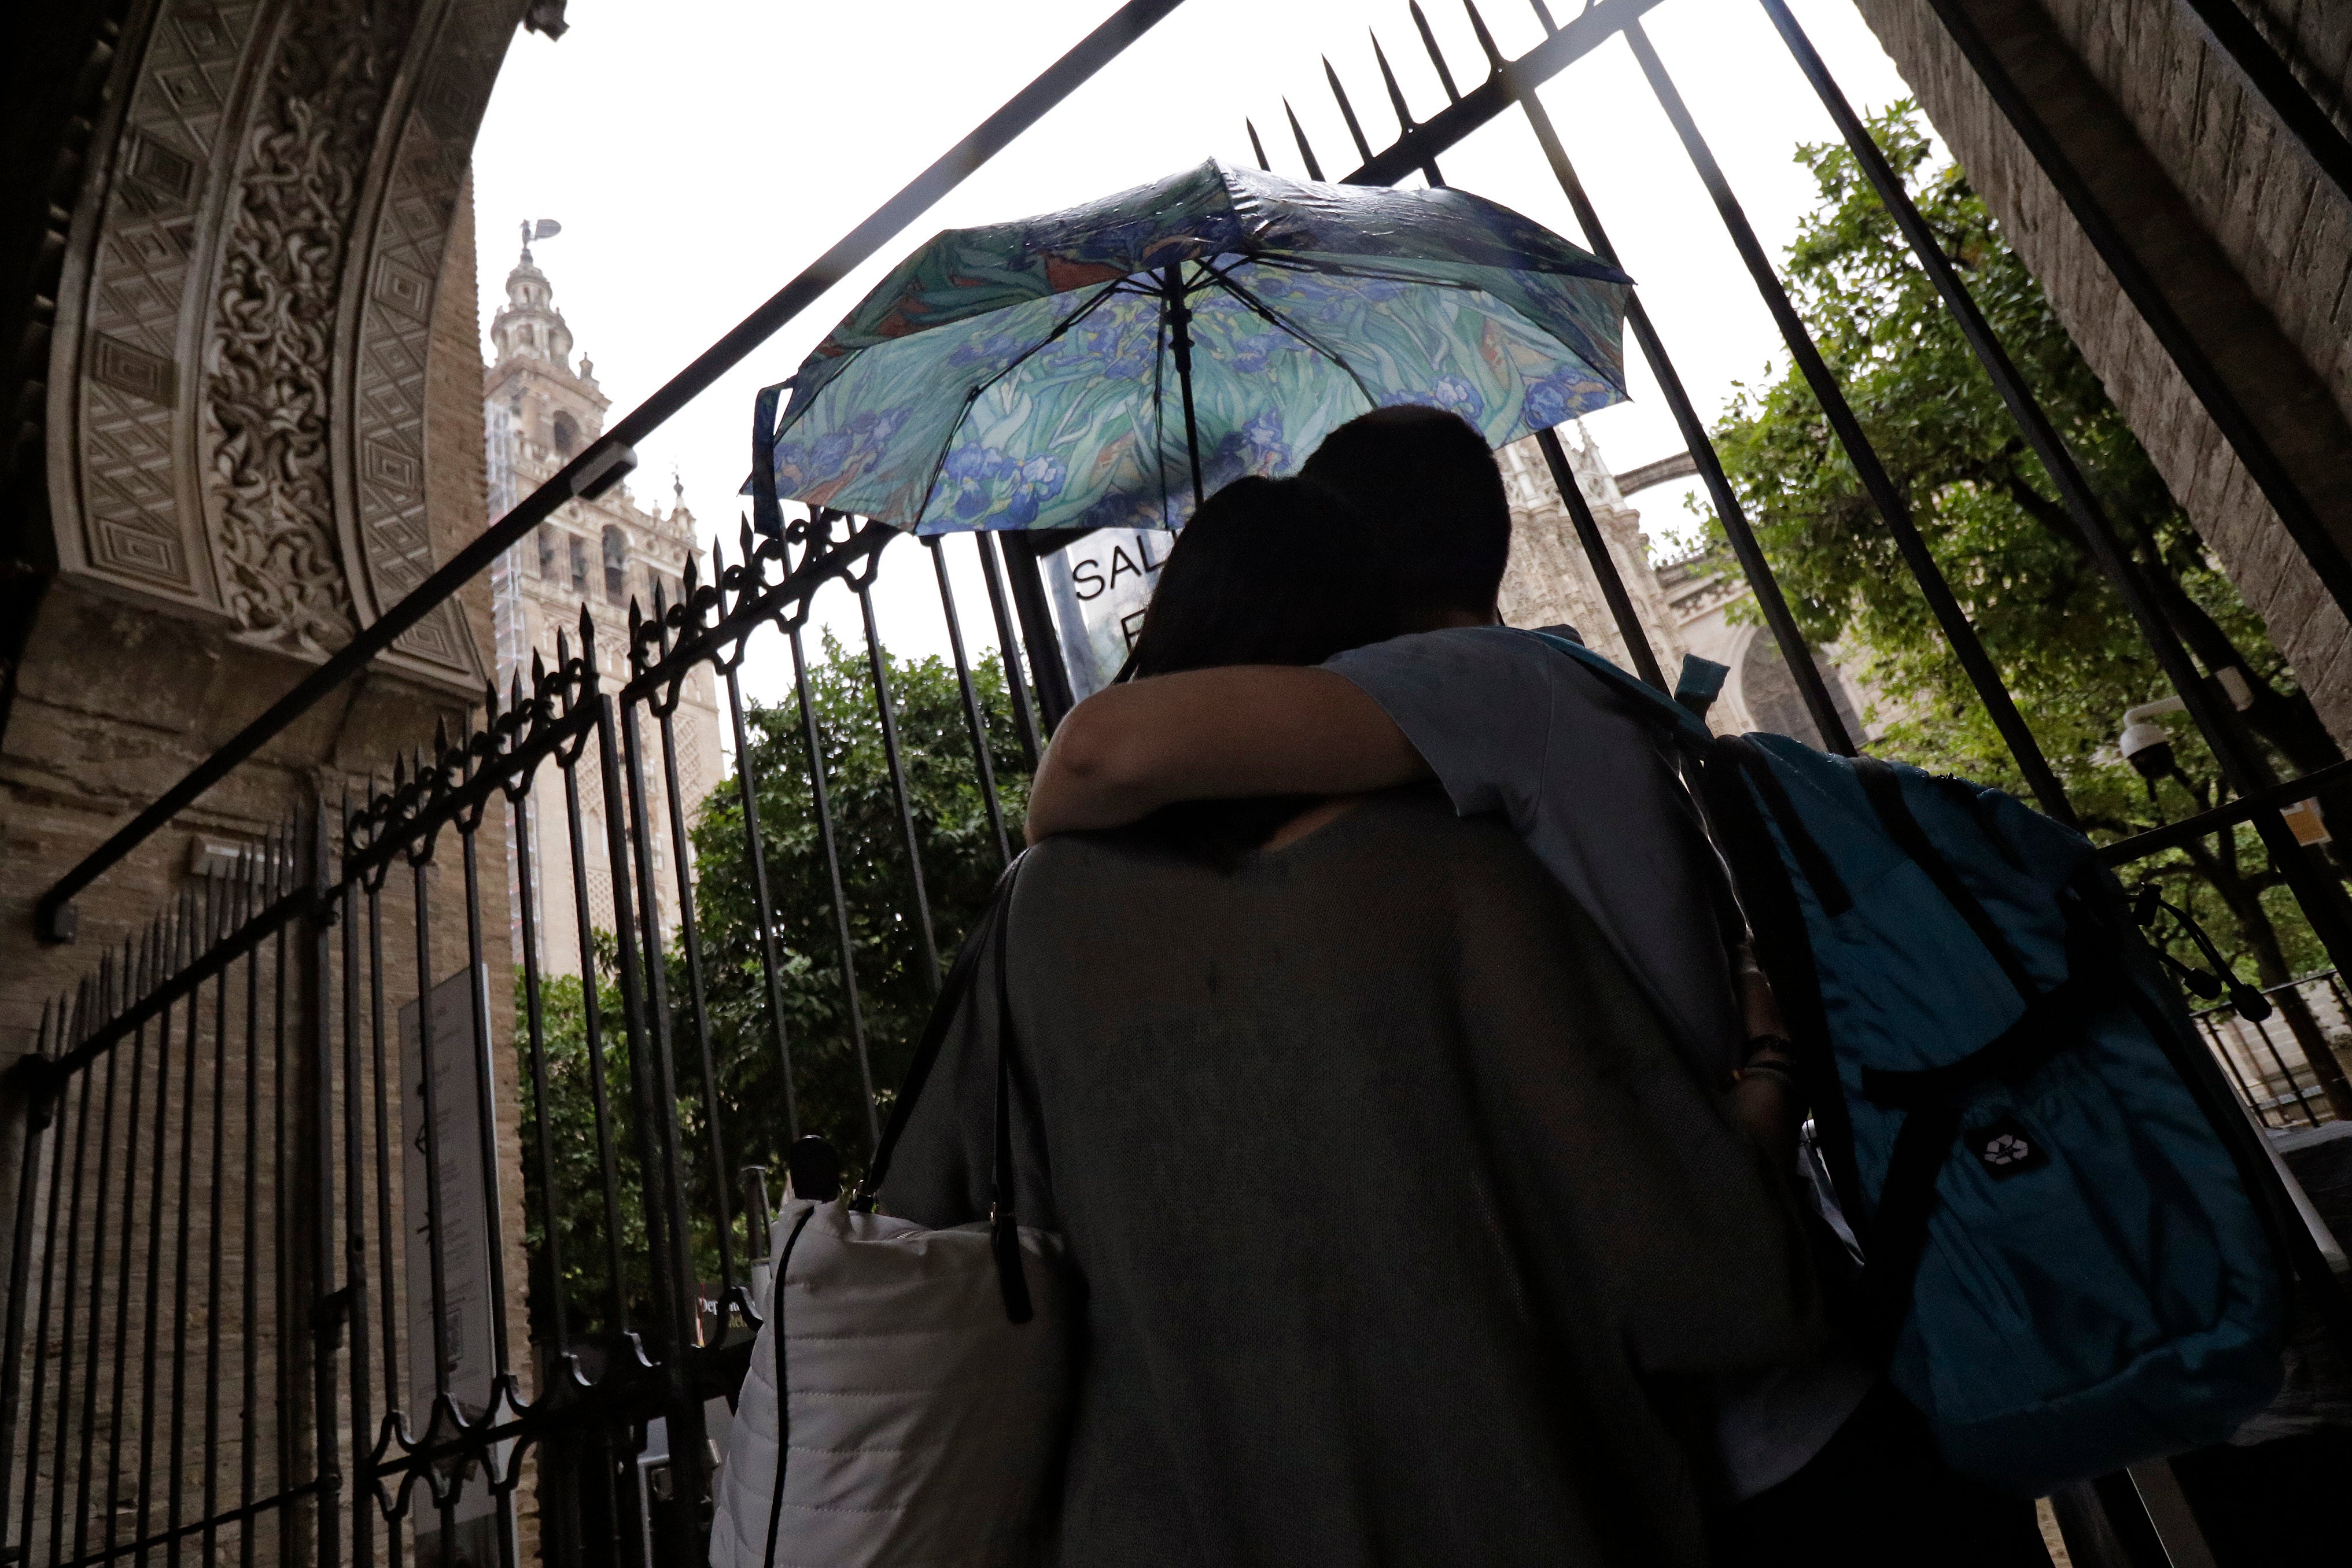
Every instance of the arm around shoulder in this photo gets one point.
(1217, 734)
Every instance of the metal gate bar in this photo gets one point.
(1893, 509)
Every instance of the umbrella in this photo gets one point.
(1021, 375)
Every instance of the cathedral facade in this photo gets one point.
(590, 560)
(1693, 606)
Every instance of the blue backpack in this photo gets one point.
(2066, 1265)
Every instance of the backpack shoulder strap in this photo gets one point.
(1768, 896)
(1884, 788)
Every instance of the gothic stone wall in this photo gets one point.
(2252, 246)
(1548, 580)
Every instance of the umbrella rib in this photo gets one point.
(1497, 307)
(939, 464)
(1275, 317)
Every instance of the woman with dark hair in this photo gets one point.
(1269, 572)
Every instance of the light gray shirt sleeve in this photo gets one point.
(1513, 726)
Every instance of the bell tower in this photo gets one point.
(539, 410)
(529, 325)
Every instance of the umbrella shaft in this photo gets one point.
(1179, 340)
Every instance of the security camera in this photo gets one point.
(2148, 748)
(2146, 744)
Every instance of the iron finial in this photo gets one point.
(1347, 112)
(1396, 94)
(1429, 42)
(1298, 134)
(1485, 38)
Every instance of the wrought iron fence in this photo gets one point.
(270, 1218)
(2270, 1057)
(276, 1313)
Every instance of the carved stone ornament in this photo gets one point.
(411, 188)
(232, 259)
(270, 348)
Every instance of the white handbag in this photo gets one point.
(925, 1373)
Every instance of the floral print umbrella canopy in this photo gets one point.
(1024, 375)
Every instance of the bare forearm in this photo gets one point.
(1209, 734)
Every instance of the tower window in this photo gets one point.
(566, 433)
(616, 564)
(579, 564)
(546, 551)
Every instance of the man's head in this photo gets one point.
(1428, 488)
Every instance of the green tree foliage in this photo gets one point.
(961, 857)
(2071, 653)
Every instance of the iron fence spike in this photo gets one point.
(1429, 42)
(1346, 111)
(1396, 94)
(1485, 38)
(1257, 146)
(1298, 134)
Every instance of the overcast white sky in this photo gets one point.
(701, 152)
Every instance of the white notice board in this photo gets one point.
(1101, 584)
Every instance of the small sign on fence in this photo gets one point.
(452, 1034)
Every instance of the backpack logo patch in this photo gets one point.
(2005, 1148)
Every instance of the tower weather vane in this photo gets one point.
(544, 228)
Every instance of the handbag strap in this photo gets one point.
(992, 934)
(961, 975)
(1004, 1228)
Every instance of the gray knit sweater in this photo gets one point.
(1405, 1234)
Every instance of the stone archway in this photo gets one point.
(261, 424)
(1766, 690)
